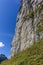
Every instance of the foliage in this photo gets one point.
(31, 56)
(40, 25)
(31, 14)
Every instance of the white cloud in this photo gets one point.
(1, 44)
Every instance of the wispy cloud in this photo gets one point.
(6, 34)
(1, 44)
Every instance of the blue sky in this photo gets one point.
(8, 14)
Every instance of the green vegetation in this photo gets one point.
(31, 56)
(40, 25)
(40, 20)
(31, 14)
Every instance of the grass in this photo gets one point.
(31, 56)
(31, 14)
(40, 26)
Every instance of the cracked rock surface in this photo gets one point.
(25, 32)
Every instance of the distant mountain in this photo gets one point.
(2, 57)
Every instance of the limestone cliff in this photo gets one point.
(28, 26)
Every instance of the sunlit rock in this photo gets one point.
(26, 26)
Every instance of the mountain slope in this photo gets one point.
(31, 56)
(29, 25)
(2, 57)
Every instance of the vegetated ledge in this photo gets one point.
(31, 56)
(40, 27)
(30, 15)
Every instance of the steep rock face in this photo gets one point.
(26, 26)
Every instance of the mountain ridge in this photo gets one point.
(3, 57)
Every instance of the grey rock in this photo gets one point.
(25, 33)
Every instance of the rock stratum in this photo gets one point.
(29, 25)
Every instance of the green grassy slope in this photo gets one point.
(31, 56)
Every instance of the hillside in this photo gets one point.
(31, 56)
(27, 44)
(29, 25)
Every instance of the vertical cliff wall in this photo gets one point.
(28, 26)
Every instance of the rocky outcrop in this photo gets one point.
(3, 57)
(28, 22)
